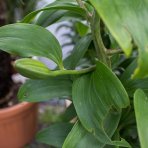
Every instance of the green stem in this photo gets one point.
(96, 33)
(61, 67)
(115, 51)
(94, 21)
(81, 4)
(72, 72)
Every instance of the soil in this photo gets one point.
(8, 87)
(11, 98)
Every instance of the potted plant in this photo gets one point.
(18, 120)
(108, 91)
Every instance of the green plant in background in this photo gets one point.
(17, 9)
(109, 96)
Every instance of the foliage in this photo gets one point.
(10, 12)
(106, 102)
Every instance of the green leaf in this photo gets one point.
(66, 0)
(132, 85)
(80, 138)
(32, 68)
(104, 95)
(127, 75)
(78, 52)
(141, 111)
(69, 114)
(56, 6)
(81, 28)
(46, 89)
(27, 40)
(127, 21)
(55, 134)
(49, 17)
(115, 61)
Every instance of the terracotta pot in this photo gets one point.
(18, 125)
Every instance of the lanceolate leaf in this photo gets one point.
(132, 85)
(55, 134)
(118, 96)
(78, 52)
(127, 75)
(125, 21)
(41, 90)
(31, 68)
(81, 28)
(80, 138)
(56, 6)
(49, 17)
(95, 96)
(69, 114)
(141, 111)
(28, 40)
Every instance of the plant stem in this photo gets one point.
(72, 72)
(81, 4)
(115, 51)
(61, 67)
(94, 21)
(96, 33)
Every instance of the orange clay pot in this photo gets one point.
(18, 125)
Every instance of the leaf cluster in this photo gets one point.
(105, 76)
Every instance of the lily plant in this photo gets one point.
(105, 76)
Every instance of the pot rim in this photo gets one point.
(16, 109)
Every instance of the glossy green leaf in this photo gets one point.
(55, 134)
(127, 21)
(41, 90)
(103, 94)
(141, 111)
(32, 68)
(56, 6)
(80, 138)
(78, 52)
(28, 40)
